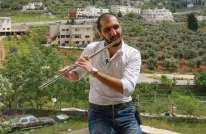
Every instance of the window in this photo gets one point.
(77, 36)
(67, 29)
(67, 36)
(63, 29)
(88, 42)
(24, 120)
(3, 28)
(76, 29)
(32, 119)
(8, 28)
(87, 36)
(62, 36)
(77, 42)
(67, 42)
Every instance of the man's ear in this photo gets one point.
(99, 33)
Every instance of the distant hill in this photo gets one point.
(63, 6)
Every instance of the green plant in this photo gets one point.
(188, 105)
(200, 80)
(169, 83)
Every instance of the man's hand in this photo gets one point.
(72, 75)
(85, 64)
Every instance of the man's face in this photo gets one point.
(110, 29)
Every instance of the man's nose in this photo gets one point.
(113, 32)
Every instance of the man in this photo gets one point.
(113, 76)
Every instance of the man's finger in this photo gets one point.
(82, 60)
(86, 58)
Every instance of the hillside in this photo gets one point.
(62, 7)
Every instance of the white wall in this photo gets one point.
(5, 24)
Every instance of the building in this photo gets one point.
(32, 6)
(190, 5)
(201, 18)
(5, 24)
(7, 29)
(71, 35)
(157, 15)
(87, 12)
(124, 9)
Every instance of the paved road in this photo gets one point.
(182, 79)
(145, 130)
(46, 23)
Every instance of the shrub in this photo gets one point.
(171, 63)
(188, 105)
(200, 80)
(152, 63)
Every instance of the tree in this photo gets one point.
(192, 22)
(200, 80)
(27, 73)
(169, 83)
(14, 73)
(171, 63)
(37, 68)
(119, 14)
(152, 63)
(5, 91)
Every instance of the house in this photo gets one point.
(5, 24)
(190, 5)
(157, 15)
(7, 29)
(32, 6)
(124, 9)
(70, 35)
(201, 18)
(87, 12)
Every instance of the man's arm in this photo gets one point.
(125, 85)
(112, 82)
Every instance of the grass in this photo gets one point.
(13, 43)
(60, 128)
(77, 124)
(180, 127)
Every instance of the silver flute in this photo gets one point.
(56, 77)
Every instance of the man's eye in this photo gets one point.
(106, 29)
(116, 26)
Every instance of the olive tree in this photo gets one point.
(200, 80)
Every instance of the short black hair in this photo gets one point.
(101, 17)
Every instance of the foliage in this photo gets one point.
(26, 73)
(152, 63)
(119, 14)
(192, 23)
(5, 90)
(169, 83)
(188, 105)
(171, 63)
(200, 80)
(145, 88)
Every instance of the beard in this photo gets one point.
(112, 40)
